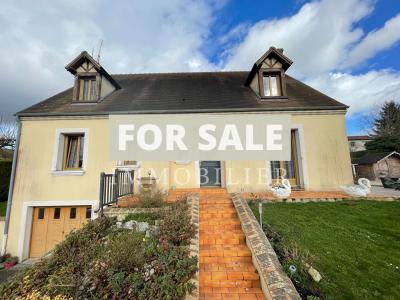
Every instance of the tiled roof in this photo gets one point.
(372, 158)
(358, 137)
(186, 92)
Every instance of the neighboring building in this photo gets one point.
(373, 166)
(64, 140)
(357, 142)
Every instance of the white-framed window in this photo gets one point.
(128, 164)
(272, 85)
(70, 151)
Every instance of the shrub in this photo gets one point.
(5, 173)
(176, 228)
(148, 199)
(103, 261)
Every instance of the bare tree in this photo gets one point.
(8, 132)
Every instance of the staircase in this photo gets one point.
(226, 268)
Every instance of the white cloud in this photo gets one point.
(361, 92)
(324, 40)
(38, 38)
(316, 37)
(375, 41)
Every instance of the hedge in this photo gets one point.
(5, 173)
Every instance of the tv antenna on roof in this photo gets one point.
(99, 53)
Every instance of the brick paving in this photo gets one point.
(226, 270)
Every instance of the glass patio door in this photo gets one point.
(287, 169)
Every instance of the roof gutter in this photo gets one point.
(168, 111)
(11, 189)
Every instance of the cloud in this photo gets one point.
(38, 38)
(317, 37)
(361, 92)
(324, 40)
(375, 41)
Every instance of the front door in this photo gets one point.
(210, 173)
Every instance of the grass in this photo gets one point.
(3, 207)
(355, 245)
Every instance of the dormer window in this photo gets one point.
(271, 85)
(267, 77)
(87, 88)
(92, 82)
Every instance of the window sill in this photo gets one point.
(127, 168)
(83, 102)
(182, 162)
(266, 98)
(68, 173)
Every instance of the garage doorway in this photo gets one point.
(50, 225)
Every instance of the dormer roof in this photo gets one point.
(272, 52)
(73, 66)
(278, 54)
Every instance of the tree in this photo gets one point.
(386, 129)
(388, 121)
(384, 144)
(8, 133)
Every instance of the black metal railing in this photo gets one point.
(114, 186)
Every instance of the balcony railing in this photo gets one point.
(115, 186)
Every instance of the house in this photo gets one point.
(357, 142)
(373, 166)
(63, 141)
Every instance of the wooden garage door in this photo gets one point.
(50, 225)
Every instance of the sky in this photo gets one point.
(348, 49)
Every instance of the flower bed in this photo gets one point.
(104, 261)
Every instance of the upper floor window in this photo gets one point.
(128, 164)
(70, 151)
(87, 89)
(73, 152)
(271, 85)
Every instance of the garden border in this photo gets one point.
(193, 201)
(274, 281)
(306, 200)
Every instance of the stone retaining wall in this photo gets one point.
(121, 213)
(193, 201)
(274, 281)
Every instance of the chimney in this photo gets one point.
(280, 50)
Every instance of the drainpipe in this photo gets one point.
(11, 190)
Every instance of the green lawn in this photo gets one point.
(3, 206)
(354, 245)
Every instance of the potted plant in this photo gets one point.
(10, 262)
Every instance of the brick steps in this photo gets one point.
(230, 266)
(220, 227)
(226, 270)
(231, 250)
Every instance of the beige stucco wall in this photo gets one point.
(323, 137)
(183, 174)
(326, 156)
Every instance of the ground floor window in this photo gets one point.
(287, 169)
